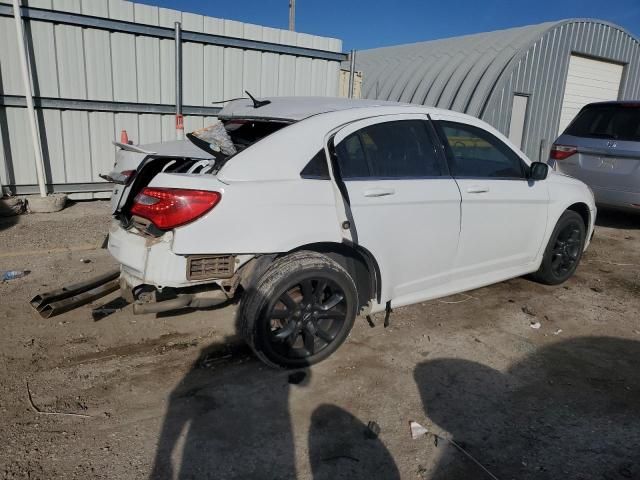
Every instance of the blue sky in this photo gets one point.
(373, 23)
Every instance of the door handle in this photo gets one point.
(477, 189)
(379, 192)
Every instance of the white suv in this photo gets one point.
(331, 208)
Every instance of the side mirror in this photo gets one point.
(538, 171)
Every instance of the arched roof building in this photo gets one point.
(528, 82)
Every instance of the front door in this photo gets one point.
(504, 215)
(404, 204)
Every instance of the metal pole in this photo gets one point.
(292, 15)
(28, 93)
(179, 118)
(352, 71)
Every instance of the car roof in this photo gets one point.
(627, 103)
(297, 108)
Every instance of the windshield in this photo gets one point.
(614, 121)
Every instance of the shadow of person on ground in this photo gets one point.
(570, 410)
(226, 422)
(230, 418)
(340, 448)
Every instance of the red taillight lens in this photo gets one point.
(171, 207)
(560, 152)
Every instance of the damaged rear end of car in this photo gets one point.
(160, 192)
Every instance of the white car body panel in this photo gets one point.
(430, 238)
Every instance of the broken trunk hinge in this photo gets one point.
(387, 313)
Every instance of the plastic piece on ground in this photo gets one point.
(417, 430)
(13, 274)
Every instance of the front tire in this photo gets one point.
(300, 311)
(564, 250)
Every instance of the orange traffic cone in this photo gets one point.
(124, 138)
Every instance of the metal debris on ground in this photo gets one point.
(42, 412)
(418, 431)
(372, 431)
(535, 325)
(85, 260)
(558, 331)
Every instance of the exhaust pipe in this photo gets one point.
(62, 300)
(210, 298)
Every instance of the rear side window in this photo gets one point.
(617, 122)
(474, 152)
(399, 149)
(317, 168)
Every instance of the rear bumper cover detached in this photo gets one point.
(147, 260)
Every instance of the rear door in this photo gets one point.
(607, 138)
(405, 205)
(504, 215)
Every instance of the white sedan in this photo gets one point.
(315, 210)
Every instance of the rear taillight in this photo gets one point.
(171, 207)
(560, 152)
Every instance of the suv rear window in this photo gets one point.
(618, 122)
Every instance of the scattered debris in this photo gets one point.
(13, 274)
(465, 299)
(597, 289)
(370, 321)
(615, 263)
(529, 311)
(41, 412)
(85, 260)
(297, 377)
(558, 331)
(535, 325)
(372, 431)
(418, 431)
(387, 314)
(10, 206)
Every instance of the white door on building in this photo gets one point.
(588, 81)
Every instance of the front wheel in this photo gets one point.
(300, 311)
(564, 250)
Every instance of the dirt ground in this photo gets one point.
(179, 396)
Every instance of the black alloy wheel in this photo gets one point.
(306, 318)
(564, 250)
(300, 311)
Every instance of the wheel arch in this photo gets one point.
(582, 209)
(358, 261)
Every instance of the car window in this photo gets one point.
(474, 152)
(618, 122)
(351, 159)
(317, 168)
(398, 149)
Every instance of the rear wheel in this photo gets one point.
(564, 250)
(300, 311)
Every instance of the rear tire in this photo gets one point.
(564, 250)
(300, 311)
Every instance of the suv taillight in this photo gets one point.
(172, 207)
(560, 152)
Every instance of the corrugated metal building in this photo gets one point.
(527, 82)
(101, 66)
